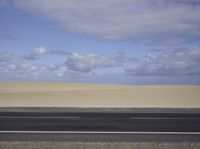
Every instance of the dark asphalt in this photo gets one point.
(87, 121)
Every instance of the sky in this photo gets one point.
(133, 42)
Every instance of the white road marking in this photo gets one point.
(101, 132)
(159, 118)
(40, 117)
(76, 117)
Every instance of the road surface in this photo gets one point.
(98, 122)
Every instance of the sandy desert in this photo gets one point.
(98, 95)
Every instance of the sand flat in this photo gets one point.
(96, 95)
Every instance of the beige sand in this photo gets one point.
(92, 95)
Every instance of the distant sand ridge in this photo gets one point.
(96, 95)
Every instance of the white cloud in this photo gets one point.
(167, 21)
(168, 62)
(5, 56)
(17, 65)
(39, 50)
(35, 53)
(88, 62)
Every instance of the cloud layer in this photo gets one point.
(170, 62)
(88, 62)
(166, 21)
(35, 53)
(16, 65)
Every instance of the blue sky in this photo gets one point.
(100, 41)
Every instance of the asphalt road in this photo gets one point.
(100, 122)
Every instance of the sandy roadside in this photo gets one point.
(95, 95)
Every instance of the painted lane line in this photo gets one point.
(62, 117)
(37, 117)
(100, 132)
(162, 118)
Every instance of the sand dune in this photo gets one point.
(95, 95)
